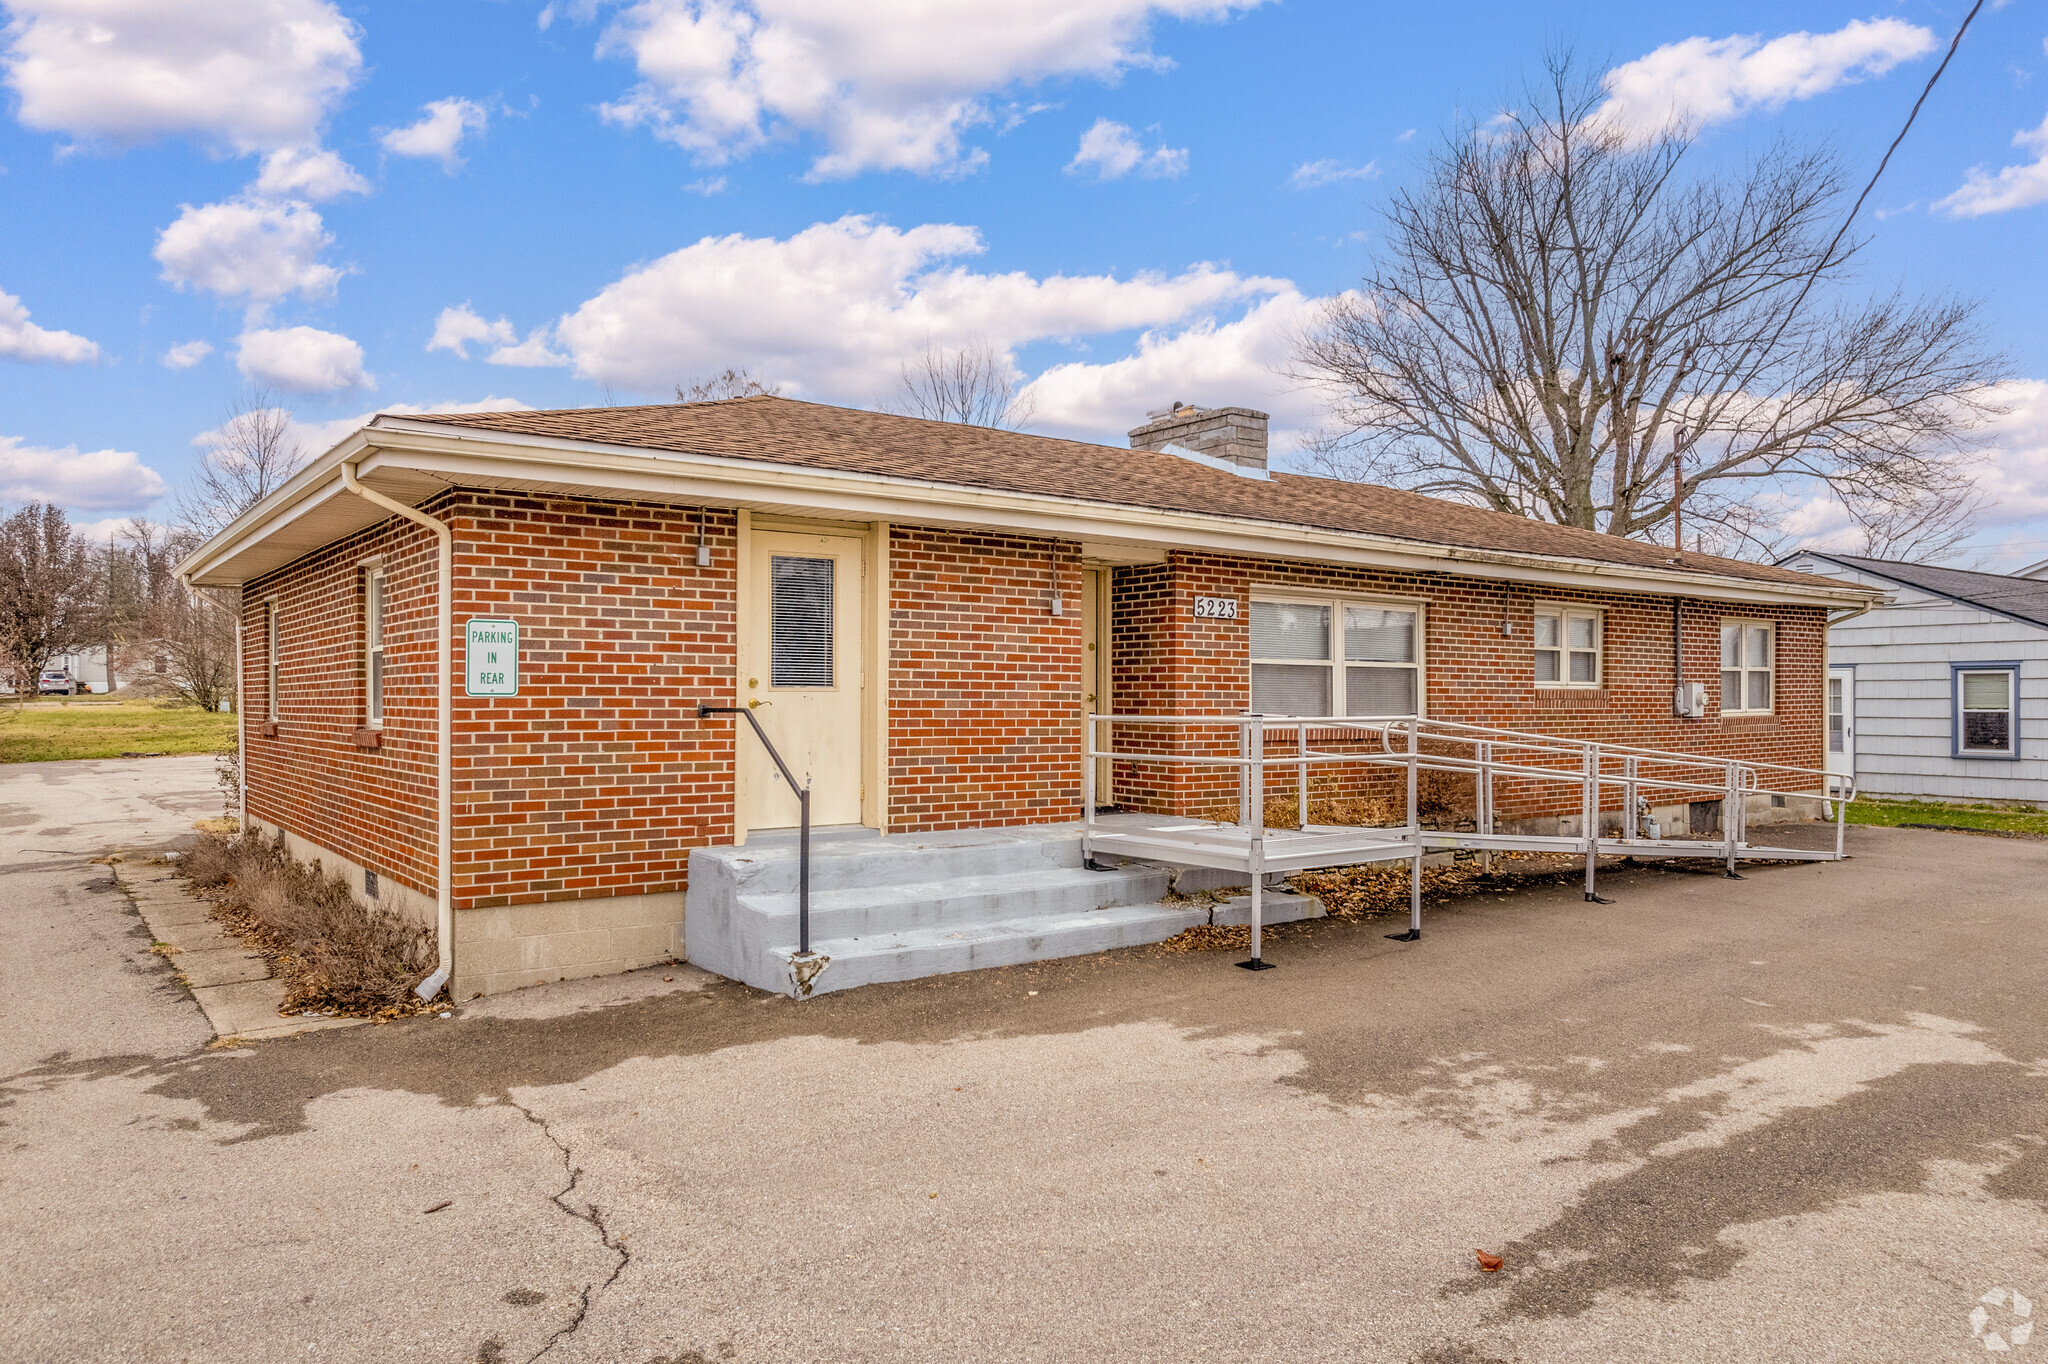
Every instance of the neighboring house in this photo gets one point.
(1944, 690)
(920, 614)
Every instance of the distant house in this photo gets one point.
(1944, 691)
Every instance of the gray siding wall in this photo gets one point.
(1902, 654)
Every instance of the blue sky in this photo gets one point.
(372, 206)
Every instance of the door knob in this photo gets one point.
(756, 705)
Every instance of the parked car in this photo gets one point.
(57, 682)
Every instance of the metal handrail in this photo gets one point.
(803, 835)
(1733, 780)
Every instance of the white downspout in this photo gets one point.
(444, 892)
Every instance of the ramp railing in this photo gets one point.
(1413, 744)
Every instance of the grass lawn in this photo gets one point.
(1992, 817)
(47, 731)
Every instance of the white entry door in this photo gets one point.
(802, 668)
(1842, 723)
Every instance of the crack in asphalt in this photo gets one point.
(594, 1216)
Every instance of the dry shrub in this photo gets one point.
(1443, 798)
(1326, 805)
(331, 952)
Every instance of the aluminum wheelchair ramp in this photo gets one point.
(1596, 775)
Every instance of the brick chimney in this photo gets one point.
(1226, 437)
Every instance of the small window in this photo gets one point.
(270, 706)
(1335, 658)
(1747, 650)
(1987, 711)
(373, 644)
(1838, 719)
(800, 618)
(1568, 645)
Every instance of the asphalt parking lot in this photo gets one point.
(1803, 1115)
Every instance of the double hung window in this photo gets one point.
(373, 645)
(1987, 710)
(1329, 656)
(270, 706)
(1747, 650)
(1568, 643)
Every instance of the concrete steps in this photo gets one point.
(905, 907)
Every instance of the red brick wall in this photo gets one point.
(595, 780)
(374, 807)
(984, 681)
(1164, 658)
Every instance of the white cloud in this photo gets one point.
(317, 438)
(21, 339)
(1316, 174)
(535, 352)
(248, 248)
(308, 173)
(1711, 80)
(1113, 151)
(888, 85)
(91, 480)
(834, 310)
(237, 75)
(438, 135)
(2013, 187)
(2014, 476)
(455, 328)
(186, 354)
(707, 186)
(301, 360)
(1209, 363)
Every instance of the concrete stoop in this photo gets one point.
(910, 906)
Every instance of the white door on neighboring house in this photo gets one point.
(801, 663)
(1842, 723)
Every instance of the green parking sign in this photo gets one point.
(491, 657)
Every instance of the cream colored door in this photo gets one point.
(1095, 672)
(801, 664)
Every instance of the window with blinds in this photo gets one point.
(1568, 646)
(1986, 712)
(1335, 658)
(1747, 660)
(800, 621)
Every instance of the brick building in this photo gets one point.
(919, 614)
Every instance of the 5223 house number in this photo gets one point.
(1215, 608)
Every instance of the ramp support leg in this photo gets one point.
(1257, 963)
(1414, 933)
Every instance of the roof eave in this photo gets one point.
(459, 454)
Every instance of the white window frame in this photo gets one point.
(1957, 673)
(1564, 651)
(1336, 662)
(271, 710)
(1746, 668)
(375, 660)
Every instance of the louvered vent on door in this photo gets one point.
(800, 607)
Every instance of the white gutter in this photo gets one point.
(444, 890)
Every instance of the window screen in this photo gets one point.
(800, 612)
(1568, 647)
(1746, 663)
(1290, 630)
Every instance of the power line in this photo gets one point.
(1855, 208)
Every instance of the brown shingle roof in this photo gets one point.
(811, 435)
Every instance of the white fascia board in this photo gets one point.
(305, 490)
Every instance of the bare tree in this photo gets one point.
(253, 455)
(1568, 323)
(50, 592)
(972, 384)
(734, 383)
